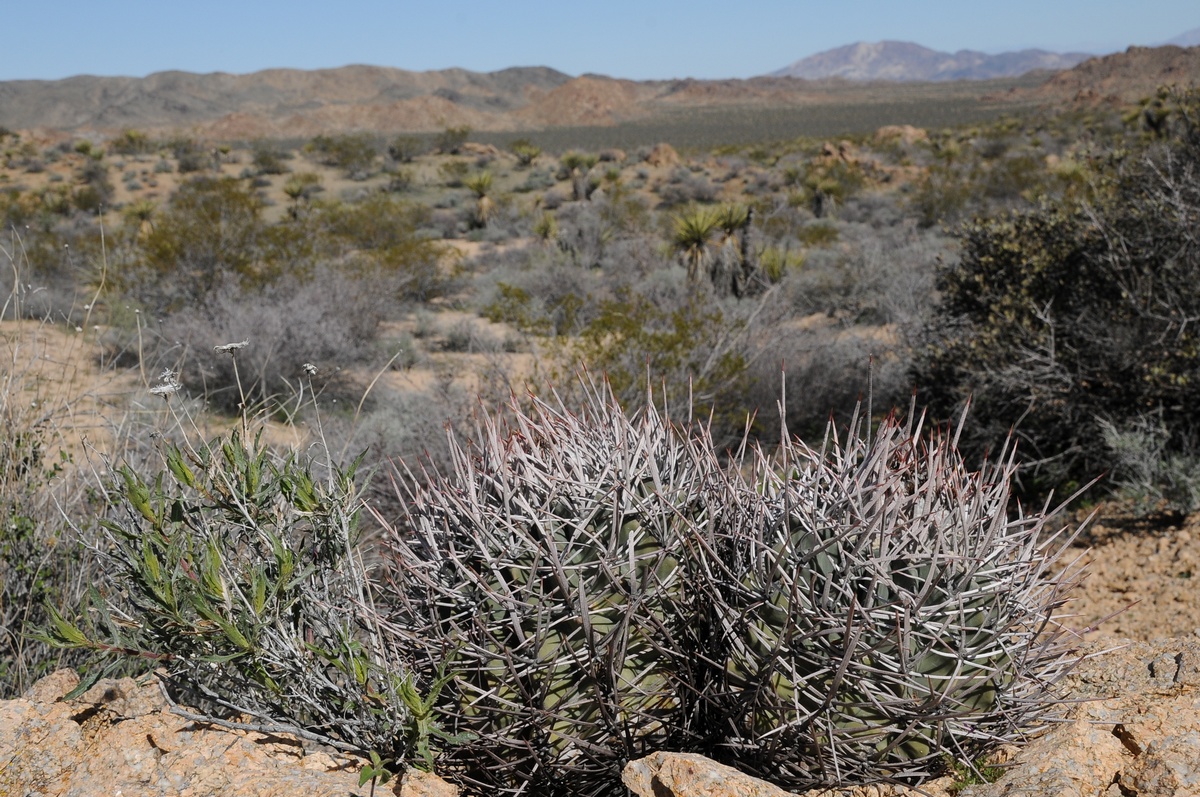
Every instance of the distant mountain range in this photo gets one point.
(1189, 39)
(292, 103)
(892, 60)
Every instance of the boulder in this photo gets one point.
(690, 775)
(120, 738)
(663, 155)
(905, 133)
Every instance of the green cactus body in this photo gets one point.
(604, 588)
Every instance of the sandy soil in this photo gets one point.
(1143, 574)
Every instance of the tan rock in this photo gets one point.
(906, 133)
(416, 783)
(120, 737)
(663, 155)
(477, 149)
(690, 775)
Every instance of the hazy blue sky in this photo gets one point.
(622, 38)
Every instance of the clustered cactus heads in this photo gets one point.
(604, 587)
(546, 565)
(889, 612)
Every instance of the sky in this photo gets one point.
(639, 39)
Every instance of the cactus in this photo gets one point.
(547, 565)
(602, 587)
(893, 613)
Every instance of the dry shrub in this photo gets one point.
(330, 322)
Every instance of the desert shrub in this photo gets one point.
(384, 236)
(1146, 472)
(684, 187)
(269, 157)
(578, 571)
(210, 229)
(244, 584)
(454, 172)
(534, 305)
(537, 180)
(1059, 316)
(193, 160)
(451, 139)
(400, 181)
(41, 563)
(353, 153)
(132, 142)
(405, 149)
(696, 349)
(330, 322)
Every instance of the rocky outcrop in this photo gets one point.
(1134, 732)
(663, 155)
(120, 738)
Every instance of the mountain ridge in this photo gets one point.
(908, 61)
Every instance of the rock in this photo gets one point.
(1136, 730)
(663, 155)
(612, 156)
(416, 783)
(905, 133)
(120, 738)
(479, 150)
(691, 775)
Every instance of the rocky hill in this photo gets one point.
(292, 103)
(1119, 78)
(296, 103)
(893, 60)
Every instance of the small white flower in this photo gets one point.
(167, 375)
(230, 348)
(309, 369)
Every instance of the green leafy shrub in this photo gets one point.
(243, 581)
(605, 586)
(211, 229)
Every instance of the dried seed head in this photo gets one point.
(231, 348)
(309, 369)
(167, 389)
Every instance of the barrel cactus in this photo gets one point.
(892, 613)
(597, 587)
(545, 570)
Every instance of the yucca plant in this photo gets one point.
(691, 233)
(602, 587)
